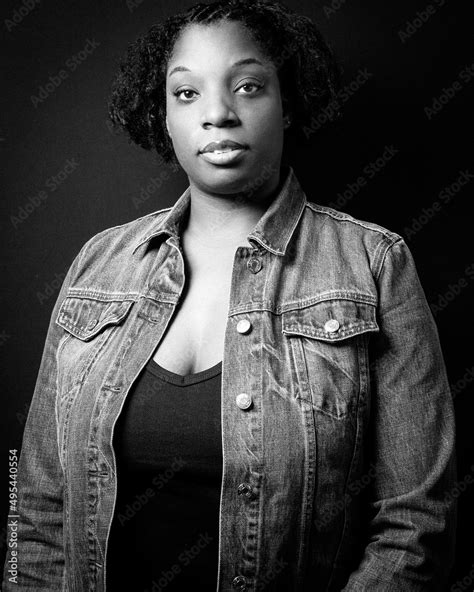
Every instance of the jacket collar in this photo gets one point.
(273, 231)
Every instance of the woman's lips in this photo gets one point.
(225, 156)
(220, 145)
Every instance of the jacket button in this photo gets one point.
(245, 489)
(244, 326)
(92, 324)
(254, 264)
(331, 326)
(240, 583)
(243, 400)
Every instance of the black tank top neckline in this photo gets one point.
(183, 379)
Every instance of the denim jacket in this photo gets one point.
(336, 476)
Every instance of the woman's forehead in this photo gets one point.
(198, 41)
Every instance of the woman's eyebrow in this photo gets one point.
(242, 62)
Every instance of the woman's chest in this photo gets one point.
(194, 337)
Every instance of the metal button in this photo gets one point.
(92, 324)
(245, 489)
(243, 400)
(244, 326)
(331, 326)
(240, 583)
(254, 264)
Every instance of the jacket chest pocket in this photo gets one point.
(89, 323)
(85, 317)
(329, 346)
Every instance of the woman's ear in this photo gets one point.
(167, 126)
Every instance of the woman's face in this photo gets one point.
(211, 97)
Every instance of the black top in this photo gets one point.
(168, 447)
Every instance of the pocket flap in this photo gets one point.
(330, 320)
(84, 317)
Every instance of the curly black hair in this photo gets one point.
(308, 72)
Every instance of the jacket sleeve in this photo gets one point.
(40, 549)
(411, 442)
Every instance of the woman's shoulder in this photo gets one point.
(120, 240)
(344, 222)
(353, 242)
(108, 257)
(129, 231)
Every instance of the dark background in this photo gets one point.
(66, 176)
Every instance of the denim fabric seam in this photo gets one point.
(71, 400)
(64, 339)
(343, 217)
(260, 466)
(348, 477)
(269, 306)
(309, 488)
(102, 296)
(383, 257)
(354, 296)
(159, 298)
(360, 328)
(94, 486)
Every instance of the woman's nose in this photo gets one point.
(219, 111)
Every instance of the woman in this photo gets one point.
(244, 391)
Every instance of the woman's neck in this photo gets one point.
(225, 220)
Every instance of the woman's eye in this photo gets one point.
(179, 93)
(247, 85)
